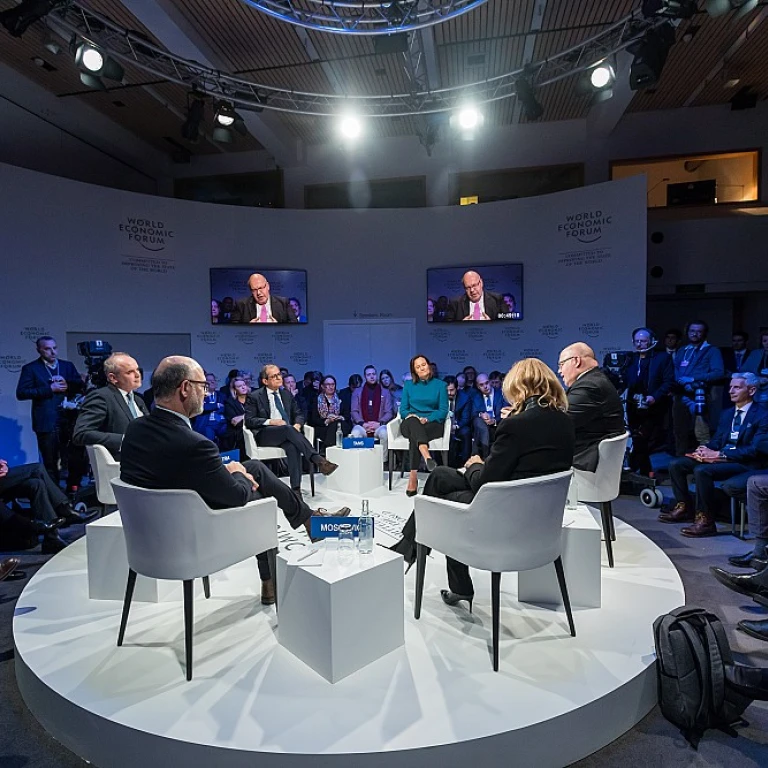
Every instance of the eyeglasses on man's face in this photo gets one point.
(561, 363)
(275, 376)
(204, 384)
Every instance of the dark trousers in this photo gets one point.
(32, 481)
(705, 476)
(690, 430)
(295, 509)
(56, 448)
(646, 427)
(461, 446)
(482, 437)
(419, 434)
(326, 433)
(757, 505)
(293, 443)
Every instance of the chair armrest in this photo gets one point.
(439, 522)
(250, 442)
(393, 428)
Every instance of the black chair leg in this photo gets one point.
(564, 593)
(129, 586)
(391, 467)
(188, 625)
(605, 512)
(206, 587)
(421, 569)
(610, 517)
(272, 560)
(312, 477)
(495, 610)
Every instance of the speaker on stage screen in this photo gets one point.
(491, 292)
(245, 295)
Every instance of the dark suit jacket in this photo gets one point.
(247, 309)
(478, 403)
(537, 441)
(595, 410)
(729, 361)
(463, 409)
(257, 409)
(103, 418)
(161, 451)
(459, 307)
(35, 385)
(753, 430)
(661, 374)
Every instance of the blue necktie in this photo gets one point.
(132, 406)
(279, 406)
(737, 421)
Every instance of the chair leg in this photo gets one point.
(129, 586)
(495, 610)
(188, 625)
(272, 560)
(421, 569)
(445, 458)
(564, 593)
(733, 516)
(206, 587)
(610, 519)
(605, 511)
(742, 522)
(312, 477)
(391, 463)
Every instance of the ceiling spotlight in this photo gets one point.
(469, 118)
(190, 129)
(721, 7)
(225, 114)
(532, 109)
(650, 54)
(350, 127)
(95, 64)
(89, 57)
(19, 18)
(602, 76)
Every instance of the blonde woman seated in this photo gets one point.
(535, 437)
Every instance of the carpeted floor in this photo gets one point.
(653, 742)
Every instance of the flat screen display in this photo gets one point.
(245, 296)
(485, 293)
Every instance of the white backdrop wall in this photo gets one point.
(69, 265)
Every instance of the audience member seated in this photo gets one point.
(50, 508)
(274, 417)
(460, 413)
(461, 382)
(211, 422)
(487, 403)
(372, 408)
(355, 381)
(430, 310)
(648, 378)
(387, 380)
(106, 412)
(163, 451)
(226, 308)
(536, 438)
(296, 307)
(326, 416)
(225, 388)
(442, 310)
(496, 378)
(470, 374)
(594, 405)
(311, 388)
(423, 410)
(234, 417)
(289, 382)
(757, 363)
(732, 456)
(734, 358)
(697, 364)
(215, 311)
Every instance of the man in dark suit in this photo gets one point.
(593, 403)
(273, 415)
(163, 451)
(48, 382)
(734, 358)
(487, 403)
(261, 307)
(106, 412)
(460, 411)
(648, 377)
(475, 303)
(731, 455)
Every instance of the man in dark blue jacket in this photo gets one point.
(732, 455)
(460, 411)
(48, 382)
(487, 403)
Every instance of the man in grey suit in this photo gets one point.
(106, 412)
(261, 306)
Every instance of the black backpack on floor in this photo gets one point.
(692, 655)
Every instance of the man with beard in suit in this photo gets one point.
(261, 307)
(593, 403)
(162, 451)
(106, 412)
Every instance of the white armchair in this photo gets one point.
(173, 534)
(509, 526)
(105, 469)
(268, 453)
(601, 487)
(398, 444)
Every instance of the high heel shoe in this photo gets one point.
(451, 598)
(431, 465)
(409, 492)
(408, 550)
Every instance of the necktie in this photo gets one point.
(263, 316)
(132, 406)
(279, 406)
(476, 312)
(737, 421)
(488, 405)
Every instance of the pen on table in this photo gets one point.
(311, 552)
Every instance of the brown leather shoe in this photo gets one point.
(326, 467)
(8, 566)
(678, 514)
(268, 592)
(703, 526)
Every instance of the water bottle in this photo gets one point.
(365, 535)
(339, 436)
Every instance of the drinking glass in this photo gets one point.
(346, 545)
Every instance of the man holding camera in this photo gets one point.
(49, 383)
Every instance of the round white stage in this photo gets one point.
(434, 702)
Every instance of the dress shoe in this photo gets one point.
(431, 465)
(268, 592)
(704, 525)
(52, 543)
(8, 566)
(758, 629)
(748, 560)
(320, 512)
(678, 514)
(413, 492)
(451, 598)
(751, 682)
(77, 515)
(326, 467)
(749, 584)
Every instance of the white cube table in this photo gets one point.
(108, 565)
(360, 469)
(337, 618)
(581, 565)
